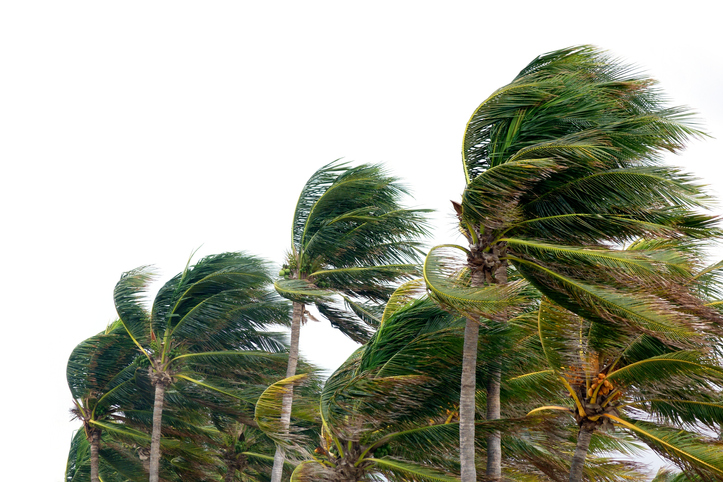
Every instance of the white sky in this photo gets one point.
(133, 132)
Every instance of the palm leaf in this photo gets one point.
(403, 295)
(687, 450)
(607, 306)
(448, 286)
(300, 291)
(411, 472)
(268, 411)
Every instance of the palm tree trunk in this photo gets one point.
(494, 440)
(288, 399)
(467, 402)
(578, 460)
(156, 433)
(94, 448)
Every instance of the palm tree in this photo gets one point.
(665, 396)
(535, 449)
(350, 237)
(561, 166)
(117, 461)
(206, 326)
(100, 374)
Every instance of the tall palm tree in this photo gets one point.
(100, 374)
(350, 237)
(561, 166)
(206, 324)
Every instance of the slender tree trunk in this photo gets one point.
(467, 402)
(578, 460)
(288, 399)
(494, 440)
(94, 461)
(156, 434)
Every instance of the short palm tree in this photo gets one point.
(350, 237)
(206, 325)
(101, 377)
(561, 166)
(117, 462)
(665, 396)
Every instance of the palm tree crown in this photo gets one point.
(351, 236)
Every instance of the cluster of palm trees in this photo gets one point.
(579, 322)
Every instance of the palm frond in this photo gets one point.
(493, 196)
(403, 295)
(409, 471)
(690, 452)
(95, 364)
(689, 364)
(268, 412)
(448, 285)
(129, 295)
(301, 291)
(610, 307)
(348, 323)
(369, 313)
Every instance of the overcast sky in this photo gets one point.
(135, 132)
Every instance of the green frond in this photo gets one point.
(426, 438)
(370, 313)
(636, 188)
(310, 471)
(631, 262)
(403, 295)
(411, 472)
(348, 323)
(268, 411)
(345, 207)
(610, 307)
(129, 295)
(532, 388)
(596, 228)
(235, 319)
(314, 188)
(443, 275)
(682, 412)
(421, 321)
(709, 281)
(99, 363)
(691, 365)
(687, 450)
(209, 287)
(492, 196)
(371, 282)
(300, 291)
(667, 475)
(560, 336)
